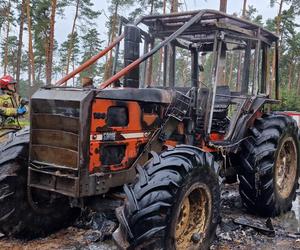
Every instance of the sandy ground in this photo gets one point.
(230, 235)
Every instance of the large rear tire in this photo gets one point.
(269, 165)
(174, 203)
(17, 216)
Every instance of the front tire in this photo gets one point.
(174, 204)
(17, 216)
(269, 165)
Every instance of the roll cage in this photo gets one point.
(200, 32)
(191, 27)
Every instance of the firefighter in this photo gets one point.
(10, 103)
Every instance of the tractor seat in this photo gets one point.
(222, 102)
(220, 121)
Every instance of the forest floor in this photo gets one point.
(237, 230)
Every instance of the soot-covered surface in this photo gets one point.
(230, 234)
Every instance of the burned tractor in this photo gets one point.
(170, 143)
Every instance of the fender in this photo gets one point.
(247, 119)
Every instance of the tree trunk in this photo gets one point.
(14, 62)
(39, 73)
(73, 68)
(71, 45)
(50, 47)
(161, 57)
(174, 6)
(20, 42)
(7, 38)
(31, 67)
(149, 78)
(291, 72)
(278, 22)
(109, 63)
(298, 81)
(223, 5)
(245, 8)
(239, 73)
(152, 7)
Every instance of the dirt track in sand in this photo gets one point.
(229, 234)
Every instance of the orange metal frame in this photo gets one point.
(99, 128)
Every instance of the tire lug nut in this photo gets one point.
(196, 237)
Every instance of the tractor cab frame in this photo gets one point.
(216, 33)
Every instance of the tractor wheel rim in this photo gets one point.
(286, 167)
(183, 218)
(193, 217)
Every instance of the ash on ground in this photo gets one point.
(240, 230)
(237, 230)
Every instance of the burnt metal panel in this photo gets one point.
(54, 156)
(142, 95)
(112, 154)
(57, 107)
(59, 140)
(209, 18)
(55, 138)
(131, 53)
(172, 65)
(50, 95)
(195, 67)
(117, 116)
(54, 182)
(57, 122)
(100, 184)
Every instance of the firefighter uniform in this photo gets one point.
(11, 107)
(8, 105)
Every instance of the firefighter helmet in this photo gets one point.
(6, 80)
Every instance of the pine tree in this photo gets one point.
(83, 13)
(31, 67)
(8, 20)
(44, 16)
(174, 6)
(40, 10)
(146, 7)
(278, 23)
(10, 51)
(112, 25)
(64, 53)
(91, 42)
(50, 43)
(3, 11)
(20, 42)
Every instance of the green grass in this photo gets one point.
(24, 122)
